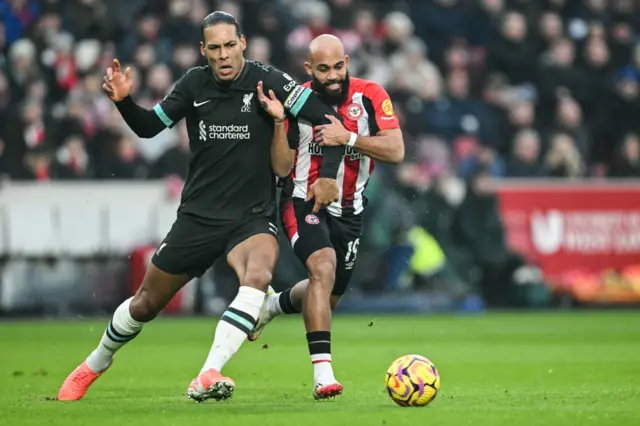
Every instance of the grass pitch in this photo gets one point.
(497, 369)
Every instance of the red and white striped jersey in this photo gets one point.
(366, 111)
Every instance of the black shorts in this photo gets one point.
(193, 244)
(309, 233)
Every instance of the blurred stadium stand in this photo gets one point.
(486, 90)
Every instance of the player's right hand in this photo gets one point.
(324, 191)
(117, 85)
(271, 104)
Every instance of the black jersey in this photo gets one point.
(230, 137)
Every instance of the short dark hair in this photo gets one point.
(219, 17)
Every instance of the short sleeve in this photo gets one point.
(175, 105)
(385, 116)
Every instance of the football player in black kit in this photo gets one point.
(228, 201)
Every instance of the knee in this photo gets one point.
(258, 278)
(322, 267)
(144, 307)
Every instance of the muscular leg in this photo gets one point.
(322, 271)
(314, 298)
(156, 291)
(317, 315)
(253, 261)
(296, 295)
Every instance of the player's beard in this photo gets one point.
(328, 97)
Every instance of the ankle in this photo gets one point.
(284, 304)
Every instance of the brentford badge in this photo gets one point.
(312, 219)
(354, 111)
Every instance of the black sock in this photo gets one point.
(285, 303)
(319, 346)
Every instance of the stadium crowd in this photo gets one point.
(483, 88)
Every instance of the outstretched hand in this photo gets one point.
(270, 103)
(117, 85)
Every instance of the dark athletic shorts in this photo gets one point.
(309, 233)
(193, 244)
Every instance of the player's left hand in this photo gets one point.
(333, 134)
(323, 191)
(271, 104)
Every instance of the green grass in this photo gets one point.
(500, 369)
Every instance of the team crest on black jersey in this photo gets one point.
(247, 102)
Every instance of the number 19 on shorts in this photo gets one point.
(352, 253)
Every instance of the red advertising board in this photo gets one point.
(584, 236)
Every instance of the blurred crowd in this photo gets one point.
(524, 88)
(484, 89)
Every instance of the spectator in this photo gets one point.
(440, 116)
(271, 25)
(513, 53)
(259, 49)
(563, 158)
(487, 15)
(17, 16)
(568, 119)
(624, 109)
(411, 62)
(316, 22)
(521, 115)
(182, 22)
(560, 77)
(37, 165)
(598, 69)
(72, 159)
(479, 236)
(342, 12)
(146, 32)
(551, 29)
(627, 160)
(22, 66)
(524, 159)
(400, 30)
(126, 162)
(438, 22)
(622, 37)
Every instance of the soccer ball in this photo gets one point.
(412, 381)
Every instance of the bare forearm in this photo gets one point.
(282, 157)
(385, 148)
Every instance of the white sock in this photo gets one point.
(120, 331)
(280, 303)
(322, 369)
(273, 303)
(234, 326)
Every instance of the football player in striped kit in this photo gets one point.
(327, 240)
